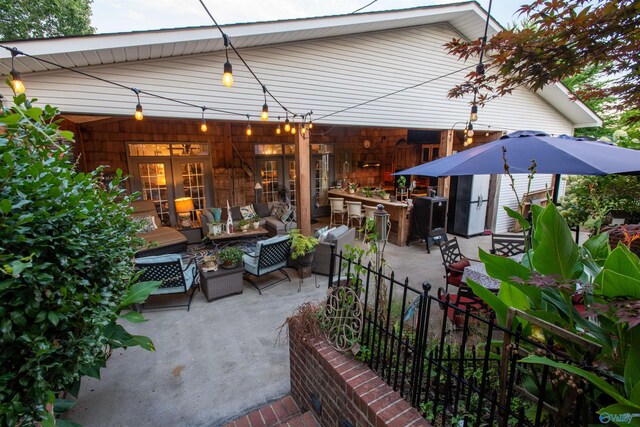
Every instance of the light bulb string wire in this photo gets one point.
(228, 41)
(138, 92)
(395, 92)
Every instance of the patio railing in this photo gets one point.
(469, 376)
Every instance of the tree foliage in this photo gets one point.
(28, 19)
(562, 38)
(66, 269)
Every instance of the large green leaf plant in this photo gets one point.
(66, 272)
(544, 284)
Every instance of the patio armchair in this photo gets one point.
(507, 244)
(464, 300)
(454, 262)
(270, 256)
(169, 269)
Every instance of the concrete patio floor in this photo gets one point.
(223, 358)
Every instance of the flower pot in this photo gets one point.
(351, 191)
(229, 264)
(386, 196)
(244, 227)
(303, 264)
(256, 225)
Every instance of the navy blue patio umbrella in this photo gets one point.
(556, 155)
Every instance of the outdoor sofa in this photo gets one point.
(277, 218)
(340, 236)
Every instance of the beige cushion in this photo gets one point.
(142, 208)
(164, 236)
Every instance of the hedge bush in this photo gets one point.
(66, 250)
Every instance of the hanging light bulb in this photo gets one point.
(138, 114)
(310, 124)
(249, 131)
(265, 108)
(470, 131)
(474, 113)
(469, 140)
(293, 125)
(287, 125)
(227, 77)
(203, 124)
(16, 81)
(303, 130)
(278, 130)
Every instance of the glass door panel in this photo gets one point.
(153, 185)
(270, 179)
(292, 181)
(192, 177)
(322, 175)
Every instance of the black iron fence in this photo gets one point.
(455, 364)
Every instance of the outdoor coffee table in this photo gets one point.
(222, 282)
(252, 232)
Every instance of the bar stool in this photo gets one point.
(337, 208)
(354, 213)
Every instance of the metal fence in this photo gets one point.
(468, 375)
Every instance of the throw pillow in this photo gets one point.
(335, 234)
(144, 224)
(217, 213)
(459, 266)
(262, 209)
(247, 212)
(236, 215)
(208, 216)
(319, 231)
(323, 236)
(274, 211)
(285, 214)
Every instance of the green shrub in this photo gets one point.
(66, 250)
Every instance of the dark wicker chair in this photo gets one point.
(507, 244)
(270, 256)
(454, 262)
(175, 277)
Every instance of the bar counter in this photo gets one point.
(399, 213)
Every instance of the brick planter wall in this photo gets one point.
(338, 388)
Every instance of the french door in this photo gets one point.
(170, 173)
(278, 178)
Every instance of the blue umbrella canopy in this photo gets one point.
(554, 155)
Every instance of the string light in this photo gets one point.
(203, 124)
(16, 81)
(249, 131)
(265, 108)
(287, 125)
(293, 125)
(138, 114)
(227, 77)
(474, 112)
(278, 130)
(470, 131)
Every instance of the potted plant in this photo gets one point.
(256, 221)
(383, 194)
(230, 256)
(352, 187)
(367, 192)
(215, 228)
(402, 183)
(244, 224)
(303, 249)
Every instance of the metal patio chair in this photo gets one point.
(270, 256)
(169, 269)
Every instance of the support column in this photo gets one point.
(303, 182)
(446, 148)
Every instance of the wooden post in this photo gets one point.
(446, 148)
(303, 183)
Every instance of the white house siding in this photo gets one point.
(323, 75)
(506, 196)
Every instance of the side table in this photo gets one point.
(193, 234)
(221, 283)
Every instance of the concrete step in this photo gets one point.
(303, 420)
(276, 413)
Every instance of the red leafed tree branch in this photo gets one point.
(559, 39)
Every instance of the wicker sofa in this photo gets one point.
(274, 225)
(163, 240)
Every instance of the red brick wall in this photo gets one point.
(347, 389)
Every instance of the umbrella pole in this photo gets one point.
(556, 188)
